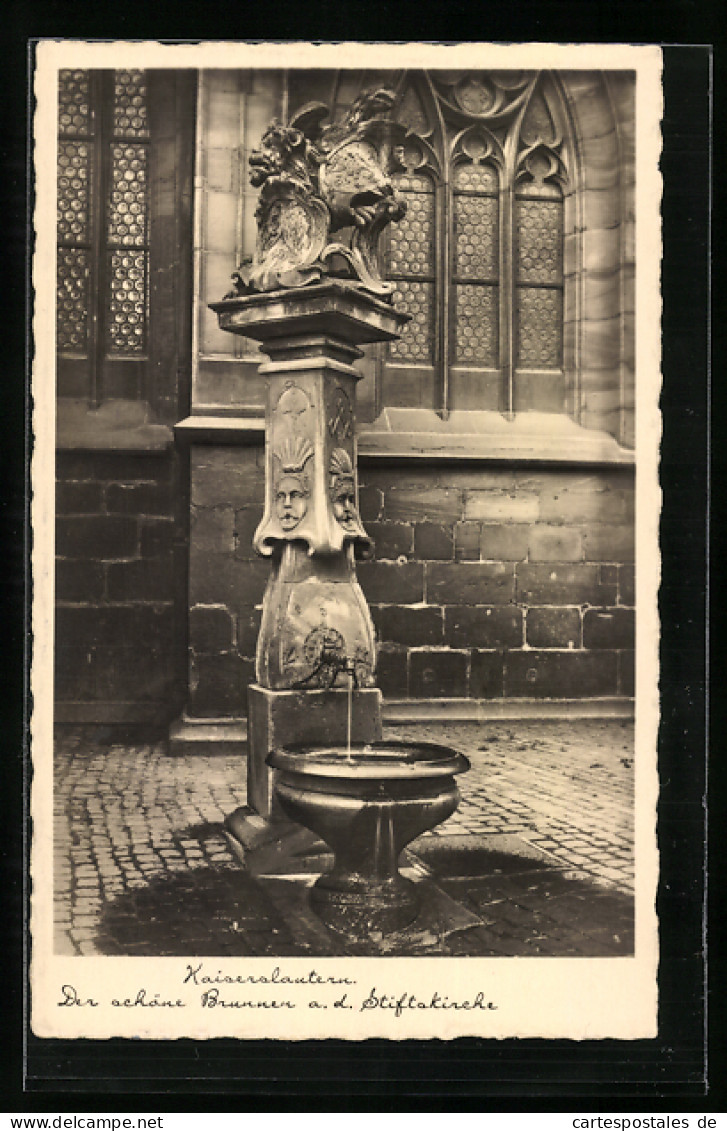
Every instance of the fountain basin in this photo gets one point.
(367, 803)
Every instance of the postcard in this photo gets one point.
(345, 540)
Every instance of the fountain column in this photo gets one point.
(314, 715)
(316, 657)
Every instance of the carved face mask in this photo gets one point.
(343, 500)
(291, 501)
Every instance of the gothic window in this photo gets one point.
(103, 231)
(124, 237)
(478, 260)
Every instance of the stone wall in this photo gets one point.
(227, 579)
(120, 592)
(501, 582)
(487, 583)
(235, 108)
(600, 252)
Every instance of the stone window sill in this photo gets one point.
(537, 437)
(117, 425)
(420, 434)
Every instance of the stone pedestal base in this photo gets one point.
(302, 718)
(189, 735)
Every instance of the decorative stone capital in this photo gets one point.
(338, 309)
(311, 336)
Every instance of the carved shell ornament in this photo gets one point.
(317, 179)
(293, 453)
(340, 464)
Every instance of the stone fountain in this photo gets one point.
(314, 713)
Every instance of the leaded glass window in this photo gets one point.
(103, 230)
(75, 185)
(412, 266)
(478, 260)
(539, 276)
(475, 292)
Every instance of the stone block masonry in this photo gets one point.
(227, 579)
(487, 583)
(466, 602)
(120, 587)
(501, 583)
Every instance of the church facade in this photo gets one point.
(495, 438)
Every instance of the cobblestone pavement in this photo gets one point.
(566, 787)
(537, 859)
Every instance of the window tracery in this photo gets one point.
(478, 261)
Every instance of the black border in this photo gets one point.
(382, 1075)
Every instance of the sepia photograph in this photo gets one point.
(345, 489)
